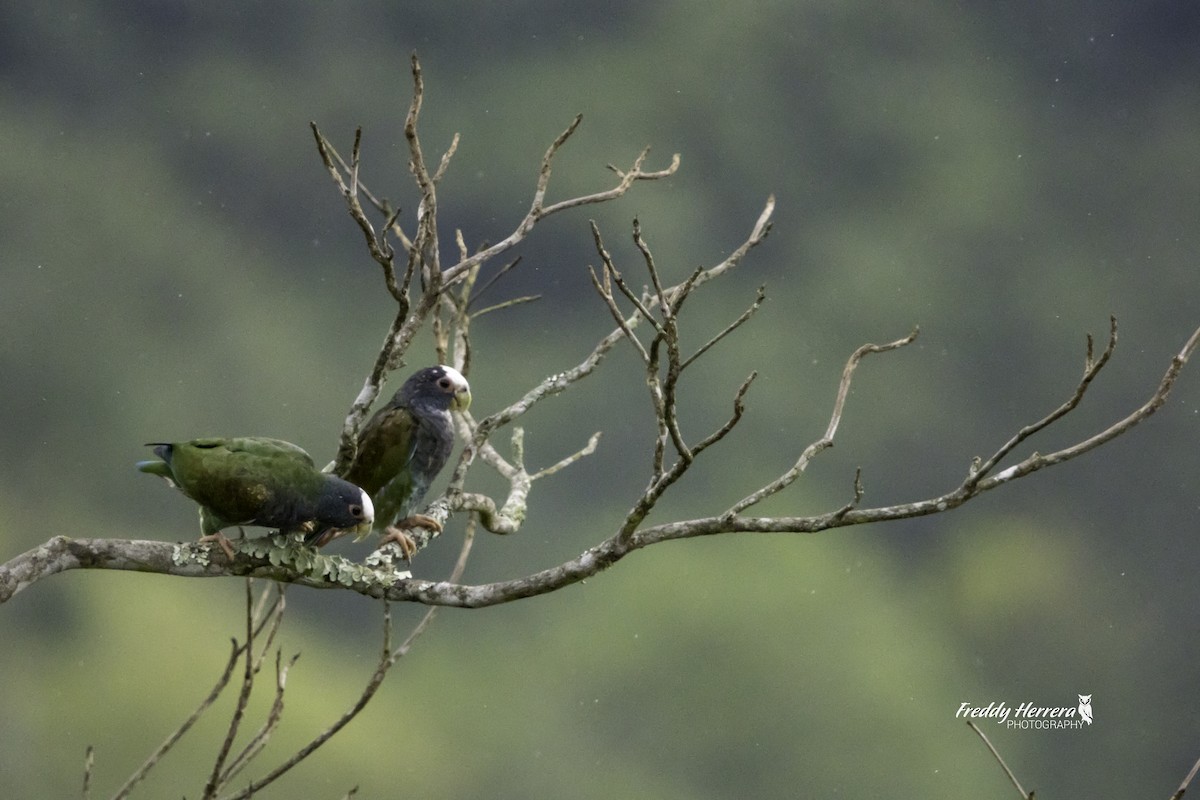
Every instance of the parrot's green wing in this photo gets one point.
(258, 481)
(241, 481)
(382, 466)
(384, 449)
(272, 450)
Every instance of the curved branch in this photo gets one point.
(422, 248)
(996, 755)
(178, 733)
(387, 660)
(538, 211)
(277, 559)
(835, 419)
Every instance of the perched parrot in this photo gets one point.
(401, 450)
(258, 481)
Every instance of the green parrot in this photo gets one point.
(401, 450)
(258, 481)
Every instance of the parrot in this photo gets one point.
(258, 481)
(401, 450)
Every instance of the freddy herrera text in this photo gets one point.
(1023, 716)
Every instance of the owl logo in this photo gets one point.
(1085, 708)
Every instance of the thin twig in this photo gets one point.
(1000, 761)
(380, 204)
(539, 211)
(1092, 367)
(662, 388)
(625, 326)
(178, 733)
(417, 158)
(587, 450)
(737, 323)
(390, 657)
(826, 441)
(516, 301)
(504, 270)
(377, 243)
(214, 781)
(263, 615)
(89, 760)
(1186, 781)
(259, 740)
(446, 156)
(739, 408)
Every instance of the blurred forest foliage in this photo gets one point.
(176, 263)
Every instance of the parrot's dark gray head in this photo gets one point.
(442, 388)
(344, 506)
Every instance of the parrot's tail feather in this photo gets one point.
(160, 468)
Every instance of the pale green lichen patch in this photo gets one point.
(191, 553)
(382, 563)
(288, 551)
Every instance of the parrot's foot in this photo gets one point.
(422, 521)
(395, 533)
(221, 541)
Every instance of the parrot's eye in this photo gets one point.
(356, 511)
(444, 383)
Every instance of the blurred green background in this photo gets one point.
(176, 262)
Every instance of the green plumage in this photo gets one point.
(259, 481)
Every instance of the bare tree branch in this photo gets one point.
(1090, 369)
(215, 779)
(260, 738)
(1183, 787)
(422, 248)
(279, 559)
(388, 659)
(258, 618)
(587, 450)
(445, 297)
(178, 733)
(89, 760)
(730, 328)
(539, 211)
(826, 441)
(377, 243)
(996, 754)
(276, 559)
(1177, 795)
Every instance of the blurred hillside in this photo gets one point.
(175, 263)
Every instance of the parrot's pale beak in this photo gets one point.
(364, 526)
(368, 515)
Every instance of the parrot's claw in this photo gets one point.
(395, 533)
(422, 521)
(221, 541)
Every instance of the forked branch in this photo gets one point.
(423, 255)
(443, 297)
(648, 320)
(62, 553)
(1177, 795)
